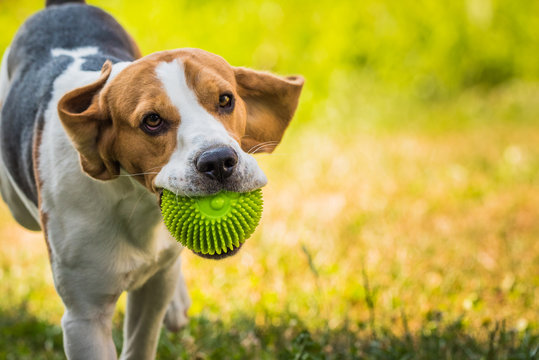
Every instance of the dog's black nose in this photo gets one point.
(218, 163)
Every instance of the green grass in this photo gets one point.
(27, 337)
(400, 218)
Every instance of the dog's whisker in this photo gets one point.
(156, 167)
(285, 154)
(135, 206)
(256, 148)
(261, 146)
(271, 142)
(260, 149)
(143, 173)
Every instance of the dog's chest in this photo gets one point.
(141, 245)
(140, 266)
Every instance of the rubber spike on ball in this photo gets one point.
(213, 224)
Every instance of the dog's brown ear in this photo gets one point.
(270, 102)
(86, 121)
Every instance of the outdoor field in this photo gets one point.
(401, 217)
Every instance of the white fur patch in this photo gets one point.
(4, 78)
(77, 53)
(116, 68)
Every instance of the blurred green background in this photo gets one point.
(401, 217)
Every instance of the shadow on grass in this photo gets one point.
(23, 336)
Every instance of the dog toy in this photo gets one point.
(212, 224)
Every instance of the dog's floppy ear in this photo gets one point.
(270, 102)
(86, 121)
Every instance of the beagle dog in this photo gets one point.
(91, 132)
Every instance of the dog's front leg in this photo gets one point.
(176, 315)
(88, 337)
(87, 320)
(145, 311)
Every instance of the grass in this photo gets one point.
(212, 339)
(400, 219)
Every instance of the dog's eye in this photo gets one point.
(226, 102)
(152, 124)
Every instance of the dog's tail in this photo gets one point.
(60, 2)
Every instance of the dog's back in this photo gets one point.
(29, 68)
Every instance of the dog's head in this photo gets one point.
(184, 120)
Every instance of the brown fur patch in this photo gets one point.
(86, 122)
(38, 132)
(270, 101)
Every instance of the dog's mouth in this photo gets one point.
(160, 196)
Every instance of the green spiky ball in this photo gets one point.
(213, 224)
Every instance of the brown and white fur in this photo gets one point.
(98, 169)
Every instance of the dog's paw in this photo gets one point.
(176, 316)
